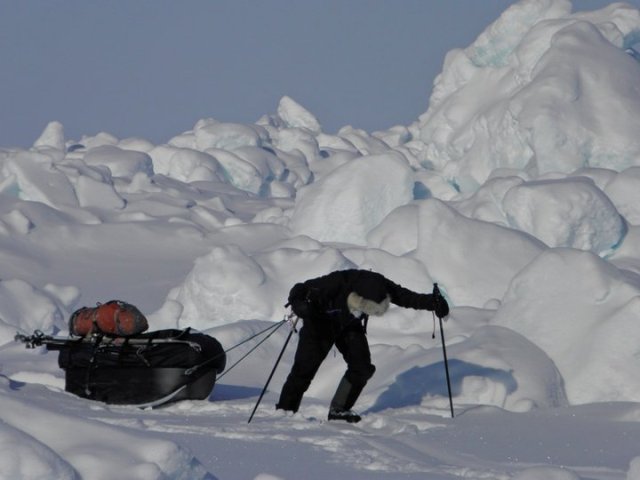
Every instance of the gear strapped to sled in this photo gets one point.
(143, 369)
(112, 318)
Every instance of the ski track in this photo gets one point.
(378, 444)
(405, 443)
(408, 443)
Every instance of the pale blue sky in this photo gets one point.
(152, 68)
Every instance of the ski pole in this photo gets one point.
(436, 293)
(284, 347)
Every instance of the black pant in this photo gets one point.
(314, 344)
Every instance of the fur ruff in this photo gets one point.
(357, 303)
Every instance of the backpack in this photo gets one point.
(115, 318)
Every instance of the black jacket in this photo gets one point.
(325, 298)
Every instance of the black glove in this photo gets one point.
(441, 307)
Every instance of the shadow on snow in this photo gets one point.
(411, 386)
(232, 392)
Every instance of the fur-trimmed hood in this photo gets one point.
(357, 303)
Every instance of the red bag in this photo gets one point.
(112, 318)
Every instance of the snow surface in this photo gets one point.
(517, 191)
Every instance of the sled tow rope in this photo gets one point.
(273, 329)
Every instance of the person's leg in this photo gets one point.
(312, 350)
(354, 348)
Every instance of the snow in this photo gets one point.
(319, 211)
(565, 213)
(516, 191)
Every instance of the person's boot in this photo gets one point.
(344, 398)
(346, 415)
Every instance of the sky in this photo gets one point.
(152, 69)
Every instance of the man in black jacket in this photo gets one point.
(335, 309)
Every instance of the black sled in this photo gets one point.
(145, 370)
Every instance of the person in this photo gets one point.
(335, 309)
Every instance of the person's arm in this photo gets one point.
(298, 300)
(404, 297)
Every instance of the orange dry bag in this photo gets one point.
(112, 318)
